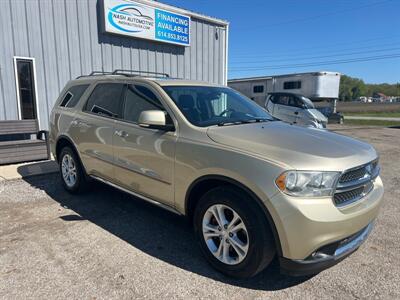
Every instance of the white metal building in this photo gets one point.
(45, 43)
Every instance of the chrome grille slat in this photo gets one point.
(348, 196)
(353, 175)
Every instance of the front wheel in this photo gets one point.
(234, 235)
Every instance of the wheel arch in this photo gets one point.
(63, 141)
(203, 184)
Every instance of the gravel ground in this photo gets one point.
(108, 245)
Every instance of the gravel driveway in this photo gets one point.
(106, 244)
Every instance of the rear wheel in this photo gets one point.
(72, 174)
(233, 234)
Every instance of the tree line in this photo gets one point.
(352, 88)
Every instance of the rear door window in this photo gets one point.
(106, 100)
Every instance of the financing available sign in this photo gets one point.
(135, 19)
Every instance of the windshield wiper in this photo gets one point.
(229, 123)
(245, 121)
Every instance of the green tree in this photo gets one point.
(352, 88)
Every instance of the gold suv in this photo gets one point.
(253, 186)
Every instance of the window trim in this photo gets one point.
(19, 108)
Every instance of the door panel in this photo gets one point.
(144, 161)
(144, 157)
(94, 140)
(94, 129)
(284, 110)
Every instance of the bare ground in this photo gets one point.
(106, 244)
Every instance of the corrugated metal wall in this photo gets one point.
(64, 38)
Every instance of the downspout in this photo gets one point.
(226, 54)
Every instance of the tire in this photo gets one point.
(258, 244)
(73, 184)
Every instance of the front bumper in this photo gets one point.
(326, 256)
(306, 225)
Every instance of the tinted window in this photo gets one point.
(290, 85)
(66, 99)
(273, 98)
(258, 89)
(307, 102)
(283, 99)
(138, 99)
(73, 95)
(295, 102)
(106, 99)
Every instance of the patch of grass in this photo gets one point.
(394, 114)
(371, 123)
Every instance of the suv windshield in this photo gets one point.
(307, 102)
(206, 105)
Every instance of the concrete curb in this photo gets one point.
(18, 171)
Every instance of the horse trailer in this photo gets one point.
(317, 86)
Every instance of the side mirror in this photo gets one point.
(155, 119)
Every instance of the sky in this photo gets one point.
(359, 38)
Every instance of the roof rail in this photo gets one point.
(127, 73)
(95, 73)
(137, 73)
(99, 73)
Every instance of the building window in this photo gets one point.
(26, 93)
(291, 85)
(258, 89)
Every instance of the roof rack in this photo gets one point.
(123, 72)
(137, 73)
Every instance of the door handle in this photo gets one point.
(80, 123)
(121, 133)
(296, 112)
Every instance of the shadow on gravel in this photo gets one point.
(154, 231)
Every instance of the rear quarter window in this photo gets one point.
(72, 96)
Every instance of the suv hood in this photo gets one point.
(316, 114)
(294, 146)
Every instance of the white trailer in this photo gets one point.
(317, 86)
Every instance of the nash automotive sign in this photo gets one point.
(139, 20)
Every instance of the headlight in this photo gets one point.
(307, 183)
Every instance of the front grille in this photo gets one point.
(355, 183)
(348, 196)
(352, 175)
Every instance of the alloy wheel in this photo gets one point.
(225, 234)
(68, 170)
